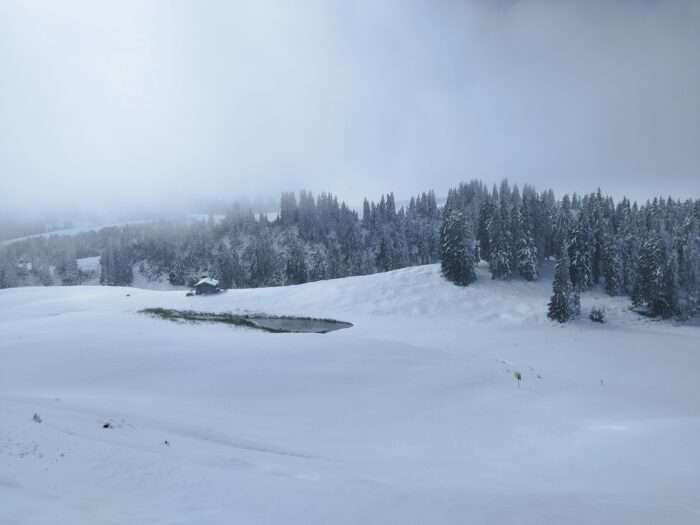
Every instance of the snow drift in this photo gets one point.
(411, 416)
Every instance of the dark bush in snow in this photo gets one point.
(597, 315)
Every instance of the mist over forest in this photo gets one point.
(131, 109)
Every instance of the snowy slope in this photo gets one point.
(97, 226)
(411, 416)
(82, 228)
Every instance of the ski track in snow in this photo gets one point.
(411, 416)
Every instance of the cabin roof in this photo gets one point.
(208, 280)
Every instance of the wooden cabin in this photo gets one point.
(206, 286)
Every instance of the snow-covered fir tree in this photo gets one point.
(687, 242)
(525, 246)
(263, 261)
(580, 249)
(486, 212)
(225, 266)
(564, 304)
(656, 285)
(629, 245)
(69, 271)
(500, 242)
(8, 270)
(611, 264)
(296, 263)
(562, 222)
(457, 249)
(115, 264)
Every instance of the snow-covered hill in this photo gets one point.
(411, 416)
(82, 228)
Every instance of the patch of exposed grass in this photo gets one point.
(206, 317)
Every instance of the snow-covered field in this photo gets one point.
(82, 228)
(100, 225)
(411, 416)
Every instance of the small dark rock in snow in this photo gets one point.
(107, 425)
(166, 443)
(37, 418)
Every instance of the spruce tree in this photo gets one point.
(500, 256)
(288, 209)
(116, 269)
(263, 261)
(482, 232)
(383, 259)
(597, 231)
(43, 273)
(629, 246)
(581, 253)
(688, 246)
(69, 271)
(657, 282)
(561, 229)
(564, 304)
(8, 270)
(526, 250)
(223, 269)
(296, 264)
(458, 261)
(611, 264)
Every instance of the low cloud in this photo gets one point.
(111, 105)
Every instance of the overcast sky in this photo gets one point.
(104, 104)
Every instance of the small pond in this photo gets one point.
(294, 324)
(256, 321)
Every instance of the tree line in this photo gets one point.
(649, 252)
(311, 238)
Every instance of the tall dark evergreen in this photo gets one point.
(457, 263)
(564, 304)
(383, 255)
(116, 266)
(43, 273)
(262, 261)
(688, 247)
(296, 264)
(225, 267)
(288, 209)
(598, 227)
(69, 271)
(500, 242)
(580, 250)
(656, 287)
(629, 245)
(525, 246)
(563, 222)
(612, 264)
(8, 271)
(483, 236)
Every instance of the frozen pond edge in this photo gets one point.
(265, 322)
